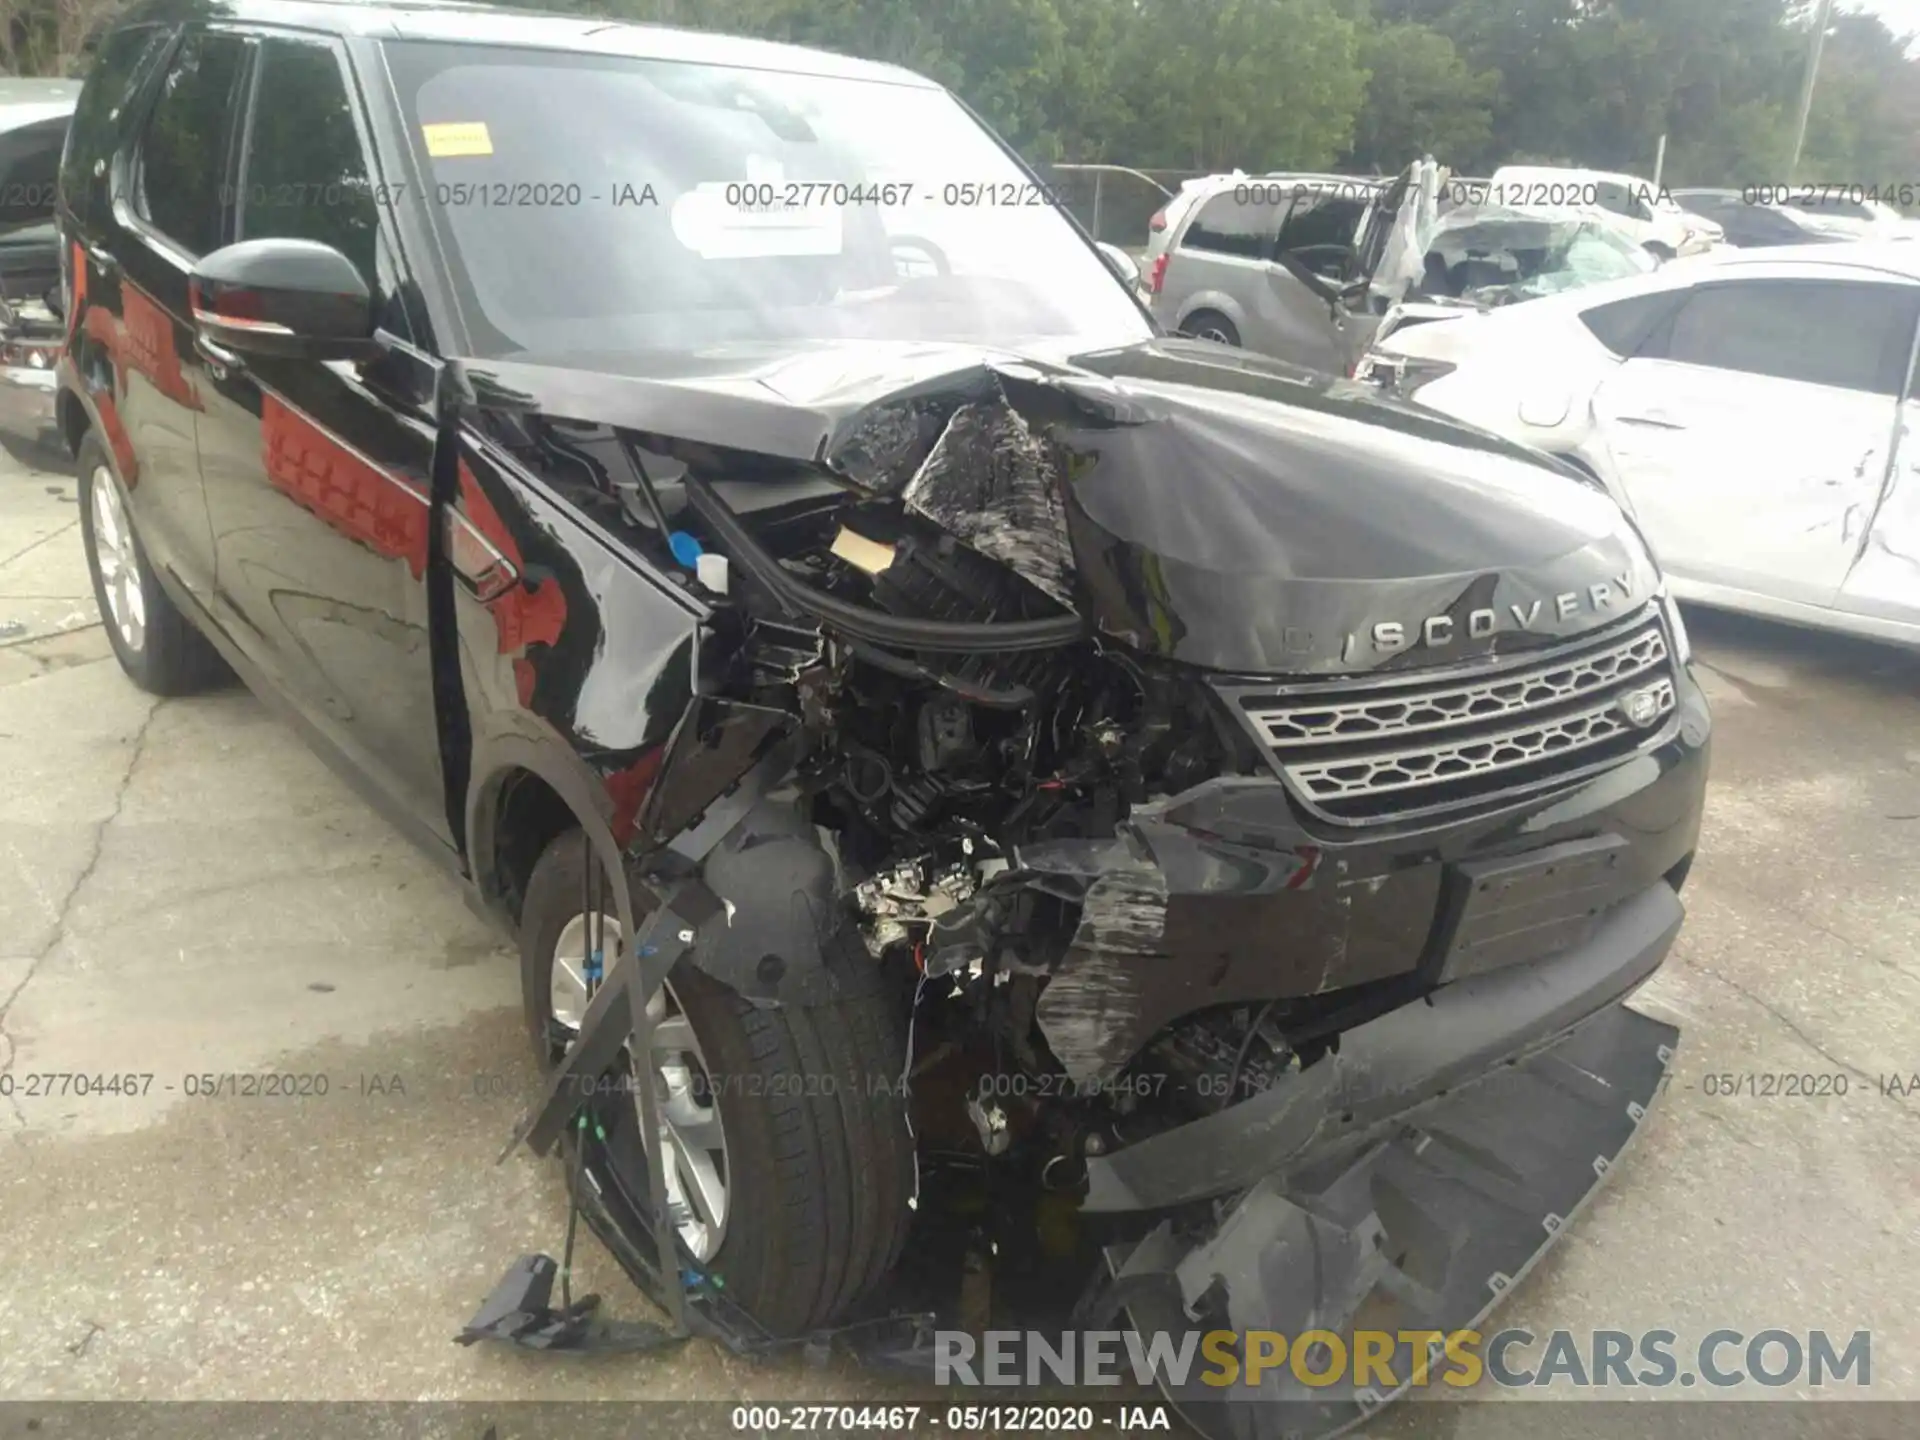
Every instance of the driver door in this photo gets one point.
(316, 479)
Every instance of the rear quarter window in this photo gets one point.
(1626, 326)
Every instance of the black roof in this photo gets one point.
(460, 23)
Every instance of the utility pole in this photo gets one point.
(1821, 16)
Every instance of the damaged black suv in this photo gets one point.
(698, 478)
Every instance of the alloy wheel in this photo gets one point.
(691, 1133)
(119, 562)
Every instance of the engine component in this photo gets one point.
(991, 1123)
(1224, 1056)
(911, 893)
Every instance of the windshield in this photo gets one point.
(600, 204)
(1493, 254)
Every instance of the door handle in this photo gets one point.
(101, 256)
(219, 359)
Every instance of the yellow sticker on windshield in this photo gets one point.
(459, 138)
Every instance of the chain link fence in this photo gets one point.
(1114, 202)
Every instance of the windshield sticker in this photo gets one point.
(718, 221)
(447, 138)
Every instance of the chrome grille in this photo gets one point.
(1388, 748)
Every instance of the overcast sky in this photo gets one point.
(1902, 16)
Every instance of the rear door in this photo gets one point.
(317, 479)
(173, 209)
(1752, 430)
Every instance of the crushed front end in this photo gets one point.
(1263, 796)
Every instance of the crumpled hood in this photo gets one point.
(1260, 519)
(1221, 509)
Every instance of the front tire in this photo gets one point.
(155, 644)
(1211, 325)
(796, 1110)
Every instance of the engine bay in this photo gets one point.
(971, 754)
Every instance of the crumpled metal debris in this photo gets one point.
(991, 483)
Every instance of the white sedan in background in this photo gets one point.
(1755, 414)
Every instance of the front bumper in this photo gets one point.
(1386, 1069)
(1228, 894)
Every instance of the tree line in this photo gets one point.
(1359, 85)
(1365, 85)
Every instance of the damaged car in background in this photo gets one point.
(1151, 825)
(1755, 414)
(1481, 256)
(1314, 269)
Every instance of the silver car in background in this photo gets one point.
(1281, 264)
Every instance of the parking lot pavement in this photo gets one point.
(188, 891)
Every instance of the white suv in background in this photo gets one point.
(1653, 216)
(1754, 414)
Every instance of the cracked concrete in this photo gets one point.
(43, 594)
(189, 891)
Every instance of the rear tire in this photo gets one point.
(1210, 325)
(818, 1164)
(154, 642)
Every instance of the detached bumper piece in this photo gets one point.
(1425, 1231)
(520, 1312)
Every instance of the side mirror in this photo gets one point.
(1121, 263)
(293, 299)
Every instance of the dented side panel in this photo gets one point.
(1884, 583)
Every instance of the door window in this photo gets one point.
(180, 178)
(1226, 226)
(93, 134)
(1320, 218)
(1625, 326)
(1612, 196)
(306, 175)
(1852, 335)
